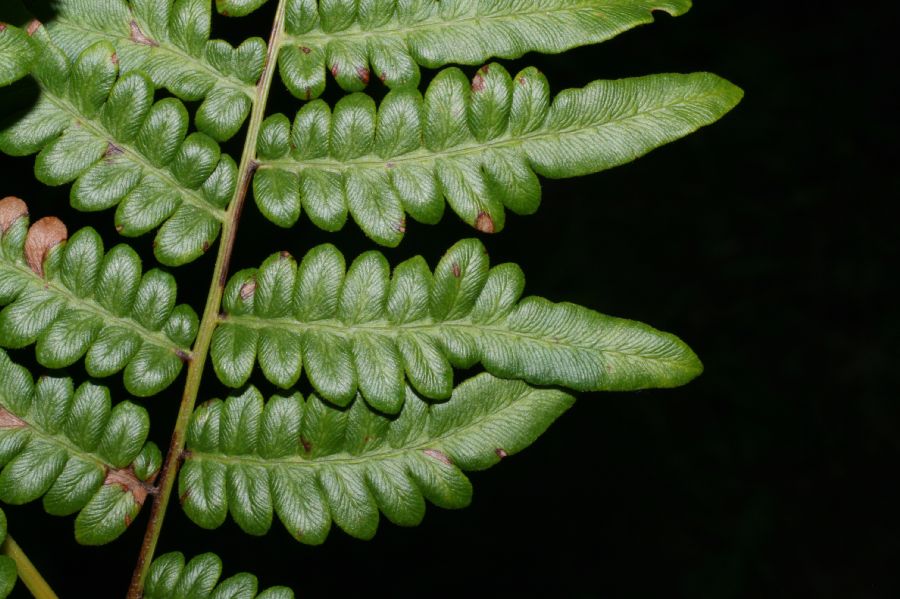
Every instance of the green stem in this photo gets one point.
(210, 314)
(26, 571)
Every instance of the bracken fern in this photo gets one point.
(384, 428)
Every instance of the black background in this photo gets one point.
(764, 241)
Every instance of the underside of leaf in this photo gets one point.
(479, 144)
(170, 577)
(74, 449)
(170, 43)
(123, 150)
(365, 331)
(357, 42)
(310, 463)
(73, 300)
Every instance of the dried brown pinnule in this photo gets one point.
(11, 209)
(43, 236)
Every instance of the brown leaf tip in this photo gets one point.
(478, 83)
(10, 420)
(248, 289)
(138, 37)
(11, 210)
(43, 236)
(364, 75)
(305, 50)
(2, 26)
(439, 456)
(33, 25)
(126, 478)
(484, 223)
(501, 453)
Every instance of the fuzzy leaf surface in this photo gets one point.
(310, 463)
(477, 144)
(122, 150)
(170, 577)
(389, 40)
(96, 305)
(74, 449)
(169, 41)
(365, 331)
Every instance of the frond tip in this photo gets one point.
(477, 144)
(74, 449)
(389, 39)
(170, 577)
(72, 299)
(310, 462)
(366, 330)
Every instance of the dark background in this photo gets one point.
(763, 241)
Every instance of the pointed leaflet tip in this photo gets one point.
(43, 236)
(11, 210)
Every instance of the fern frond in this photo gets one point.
(358, 41)
(311, 463)
(124, 150)
(75, 450)
(73, 300)
(8, 573)
(364, 330)
(170, 577)
(169, 41)
(17, 53)
(478, 144)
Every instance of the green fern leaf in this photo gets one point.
(17, 53)
(169, 41)
(358, 41)
(310, 463)
(75, 450)
(364, 331)
(7, 565)
(73, 300)
(478, 144)
(121, 149)
(170, 577)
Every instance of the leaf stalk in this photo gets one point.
(209, 321)
(26, 571)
